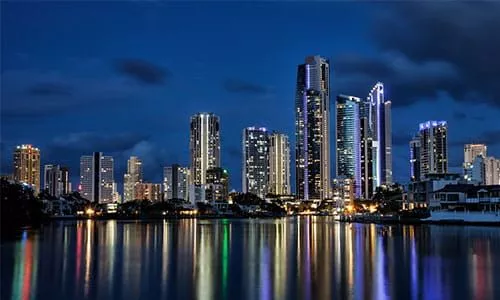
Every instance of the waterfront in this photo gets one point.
(306, 257)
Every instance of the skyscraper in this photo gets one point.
(176, 182)
(27, 166)
(132, 178)
(204, 145)
(56, 180)
(381, 132)
(255, 177)
(148, 191)
(97, 178)
(433, 148)
(217, 186)
(366, 151)
(347, 141)
(415, 158)
(312, 129)
(279, 164)
(492, 171)
(471, 151)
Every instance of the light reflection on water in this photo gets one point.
(303, 258)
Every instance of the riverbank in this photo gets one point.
(436, 218)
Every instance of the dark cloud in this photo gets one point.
(42, 93)
(239, 86)
(489, 137)
(142, 71)
(88, 142)
(49, 89)
(428, 48)
(405, 80)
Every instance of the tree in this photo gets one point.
(19, 207)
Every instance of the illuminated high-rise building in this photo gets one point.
(347, 141)
(27, 166)
(415, 158)
(176, 182)
(217, 186)
(148, 191)
(433, 148)
(492, 171)
(132, 178)
(312, 129)
(56, 180)
(366, 151)
(279, 164)
(471, 152)
(255, 177)
(97, 177)
(204, 145)
(381, 133)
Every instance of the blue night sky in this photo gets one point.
(124, 78)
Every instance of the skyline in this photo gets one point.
(71, 73)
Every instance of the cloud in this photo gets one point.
(49, 89)
(88, 142)
(463, 38)
(243, 87)
(142, 71)
(405, 80)
(488, 137)
(42, 93)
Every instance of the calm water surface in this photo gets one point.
(294, 258)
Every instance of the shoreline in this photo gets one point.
(360, 220)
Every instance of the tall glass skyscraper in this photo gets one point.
(433, 148)
(347, 140)
(97, 177)
(132, 178)
(381, 132)
(255, 177)
(176, 182)
(204, 145)
(415, 159)
(312, 129)
(279, 164)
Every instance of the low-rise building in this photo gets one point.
(468, 197)
(420, 193)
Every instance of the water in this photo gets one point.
(294, 258)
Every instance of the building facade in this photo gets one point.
(217, 187)
(132, 178)
(471, 152)
(204, 145)
(492, 171)
(415, 159)
(347, 140)
(56, 180)
(433, 148)
(279, 164)
(26, 162)
(255, 177)
(148, 191)
(381, 132)
(312, 129)
(176, 182)
(97, 177)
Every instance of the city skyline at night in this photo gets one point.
(79, 96)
